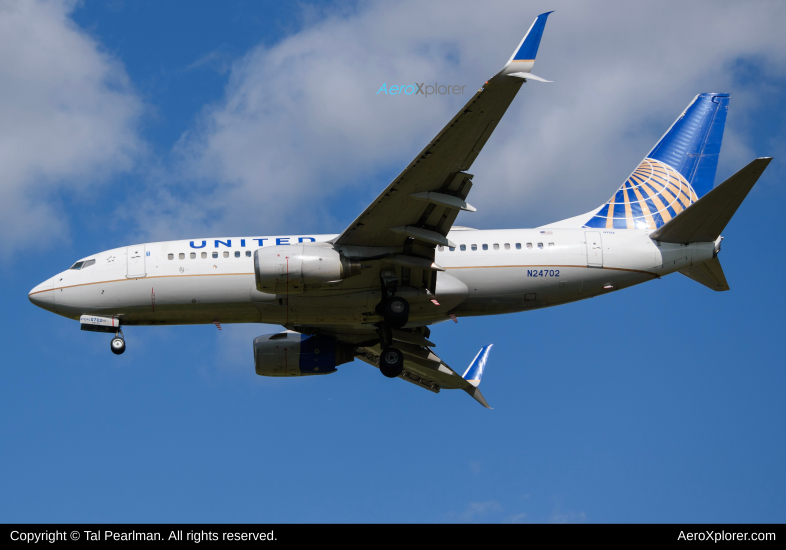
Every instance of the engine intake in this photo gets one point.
(297, 268)
(294, 354)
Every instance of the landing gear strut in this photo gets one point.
(391, 362)
(394, 311)
(118, 344)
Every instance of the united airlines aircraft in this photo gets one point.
(371, 292)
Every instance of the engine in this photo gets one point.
(297, 268)
(294, 354)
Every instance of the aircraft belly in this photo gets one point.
(187, 314)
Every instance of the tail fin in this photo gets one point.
(678, 171)
(475, 372)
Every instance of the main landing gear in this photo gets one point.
(391, 362)
(394, 311)
(118, 344)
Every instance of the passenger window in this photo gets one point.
(193, 255)
(485, 247)
(226, 254)
(248, 253)
(451, 248)
(463, 247)
(540, 245)
(88, 263)
(529, 245)
(496, 246)
(518, 246)
(507, 246)
(551, 245)
(215, 254)
(440, 248)
(181, 256)
(474, 247)
(204, 255)
(237, 253)
(170, 256)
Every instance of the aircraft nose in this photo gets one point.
(43, 296)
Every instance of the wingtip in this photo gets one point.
(474, 392)
(524, 55)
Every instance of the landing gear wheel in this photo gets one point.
(118, 345)
(396, 312)
(391, 362)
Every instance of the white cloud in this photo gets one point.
(301, 126)
(478, 510)
(301, 142)
(67, 114)
(568, 517)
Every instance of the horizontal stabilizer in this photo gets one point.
(709, 273)
(704, 220)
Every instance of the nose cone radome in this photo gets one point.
(43, 296)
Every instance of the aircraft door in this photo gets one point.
(136, 261)
(594, 249)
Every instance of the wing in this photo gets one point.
(423, 368)
(414, 214)
(422, 203)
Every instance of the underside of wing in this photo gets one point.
(423, 368)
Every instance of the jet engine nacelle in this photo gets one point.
(294, 354)
(297, 268)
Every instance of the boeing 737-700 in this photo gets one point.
(371, 292)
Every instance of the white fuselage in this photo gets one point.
(489, 272)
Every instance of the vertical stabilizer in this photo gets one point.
(678, 171)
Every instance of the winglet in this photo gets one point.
(474, 374)
(523, 57)
(475, 370)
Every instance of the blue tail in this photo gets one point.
(678, 171)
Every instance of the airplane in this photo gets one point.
(371, 292)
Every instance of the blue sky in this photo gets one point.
(142, 121)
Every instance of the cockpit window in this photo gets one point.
(77, 265)
(88, 263)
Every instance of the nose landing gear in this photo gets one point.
(118, 343)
